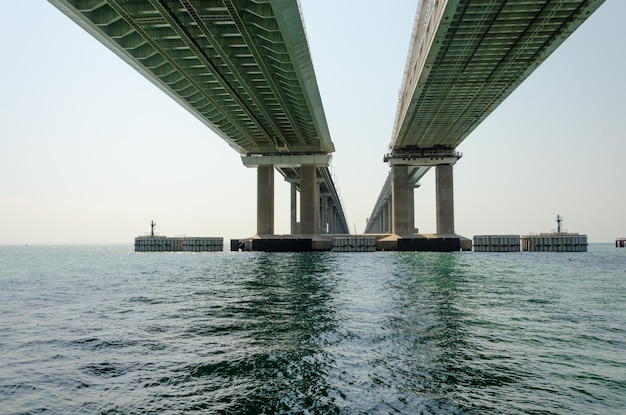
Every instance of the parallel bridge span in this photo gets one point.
(243, 68)
(466, 57)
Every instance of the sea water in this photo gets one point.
(105, 330)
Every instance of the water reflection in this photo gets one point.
(283, 309)
(430, 352)
(424, 336)
(375, 333)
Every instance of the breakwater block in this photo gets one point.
(429, 244)
(554, 242)
(178, 244)
(496, 243)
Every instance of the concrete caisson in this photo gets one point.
(496, 243)
(203, 244)
(554, 242)
(178, 244)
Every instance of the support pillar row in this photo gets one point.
(324, 214)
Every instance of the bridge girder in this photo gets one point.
(243, 68)
(468, 56)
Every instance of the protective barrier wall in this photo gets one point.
(178, 244)
(554, 242)
(496, 243)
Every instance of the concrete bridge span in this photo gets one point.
(466, 57)
(243, 68)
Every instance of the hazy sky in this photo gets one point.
(91, 152)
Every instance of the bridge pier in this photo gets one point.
(445, 199)
(400, 200)
(381, 222)
(313, 213)
(335, 222)
(323, 215)
(265, 200)
(295, 225)
(407, 167)
(386, 225)
(318, 212)
(331, 217)
(309, 203)
(328, 215)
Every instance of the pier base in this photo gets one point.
(429, 244)
(352, 243)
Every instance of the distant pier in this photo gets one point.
(558, 241)
(162, 243)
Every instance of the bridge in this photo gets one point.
(466, 57)
(243, 68)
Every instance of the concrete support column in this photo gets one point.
(330, 216)
(265, 200)
(384, 217)
(309, 200)
(324, 214)
(294, 208)
(412, 209)
(338, 227)
(400, 199)
(445, 199)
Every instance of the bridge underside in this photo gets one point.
(243, 68)
(480, 52)
(466, 57)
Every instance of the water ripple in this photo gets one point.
(103, 330)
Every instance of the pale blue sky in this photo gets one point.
(91, 152)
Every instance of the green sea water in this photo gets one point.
(105, 330)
